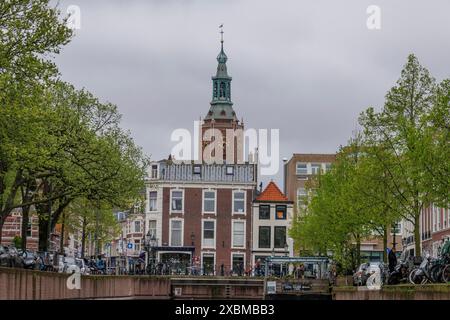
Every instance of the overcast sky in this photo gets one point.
(306, 67)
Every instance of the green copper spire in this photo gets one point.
(221, 105)
(222, 57)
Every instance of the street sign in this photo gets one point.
(130, 245)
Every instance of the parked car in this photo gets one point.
(364, 271)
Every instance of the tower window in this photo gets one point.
(222, 89)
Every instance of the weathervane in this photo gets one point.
(221, 33)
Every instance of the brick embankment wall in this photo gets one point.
(19, 284)
(217, 288)
(399, 292)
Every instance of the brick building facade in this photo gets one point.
(434, 229)
(13, 228)
(201, 214)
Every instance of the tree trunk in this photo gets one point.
(385, 243)
(83, 237)
(1, 228)
(44, 213)
(417, 238)
(44, 232)
(25, 220)
(358, 249)
(61, 243)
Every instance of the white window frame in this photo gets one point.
(156, 201)
(286, 234)
(305, 194)
(134, 226)
(215, 233)
(137, 245)
(232, 233)
(236, 253)
(259, 211)
(245, 202)
(170, 231)
(182, 201)
(156, 226)
(296, 168)
(271, 237)
(316, 165)
(151, 171)
(215, 201)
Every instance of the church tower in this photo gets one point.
(221, 115)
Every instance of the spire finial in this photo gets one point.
(221, 34)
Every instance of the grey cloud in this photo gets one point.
(306, 67)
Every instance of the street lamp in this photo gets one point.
(150, 242)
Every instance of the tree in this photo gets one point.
(348, 203)
(94, 158)
(397, 134)
(86, 218)
(31, 31)
(335, 218)
(435, 159)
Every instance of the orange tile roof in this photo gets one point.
(272, 193)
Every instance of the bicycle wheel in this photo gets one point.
(415, 279)
(446, 273)
(435, 273)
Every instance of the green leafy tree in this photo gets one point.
(398, 131)
(91, 218)
(435, 142)
(31, 31)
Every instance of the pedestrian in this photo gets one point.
(392, 259)
(301, 270)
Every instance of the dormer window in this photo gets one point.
(197, 169)
(154, 171)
